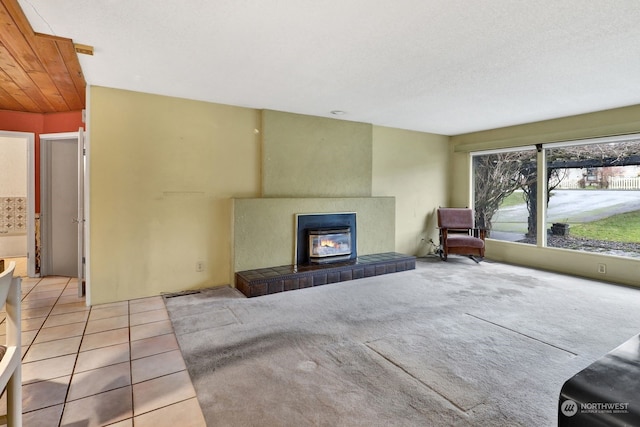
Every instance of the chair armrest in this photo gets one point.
(10, 361)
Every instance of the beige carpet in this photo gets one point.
(452, 343)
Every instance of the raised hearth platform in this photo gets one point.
(265, 281)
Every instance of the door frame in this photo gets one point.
(45, 152)
(31, 196)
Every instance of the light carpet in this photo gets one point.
(447, 344)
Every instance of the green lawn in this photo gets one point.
(513, 199)
(617, 228)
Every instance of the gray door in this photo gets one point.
(60, 223)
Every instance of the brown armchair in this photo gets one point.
(458, 234)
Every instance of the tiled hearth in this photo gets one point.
(271, 280)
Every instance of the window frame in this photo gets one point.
(472, 175)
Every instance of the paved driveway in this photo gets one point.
(576, 206)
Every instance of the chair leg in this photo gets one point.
(14, 399)
(442, 253)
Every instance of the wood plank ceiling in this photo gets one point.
(39, 73)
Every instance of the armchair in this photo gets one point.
(458, 234)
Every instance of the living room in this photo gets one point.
(165, 174)
(210, 126)
(167, 161)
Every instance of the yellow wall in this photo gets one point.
(605, 123)
(412, 167)
(618, 121)
(162, 174)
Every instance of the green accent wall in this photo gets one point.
(310, 165)
(307, 156)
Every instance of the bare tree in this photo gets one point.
(496, 176)
(530, 190)
(596, 155)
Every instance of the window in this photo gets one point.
(594, 196)
(505, 194)
(592, 193)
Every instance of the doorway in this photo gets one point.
(17, 201)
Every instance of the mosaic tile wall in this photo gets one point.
(13, 217)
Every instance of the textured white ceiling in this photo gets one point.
(441, 66)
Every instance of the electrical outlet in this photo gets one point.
(200, 266)
(602, 268)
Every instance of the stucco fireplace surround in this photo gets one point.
(312, 165)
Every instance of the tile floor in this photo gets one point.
(114, 364)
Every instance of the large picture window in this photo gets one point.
(591, 194)
(504, 194)
(594, 202)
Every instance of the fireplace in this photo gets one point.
(325, 238)
(329, 244)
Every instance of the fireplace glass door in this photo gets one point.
(328, 245)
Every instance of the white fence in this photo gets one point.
(568, 185)
(615, 183)
(619, 183)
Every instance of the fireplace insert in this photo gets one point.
(343, 224)
(329, 244)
